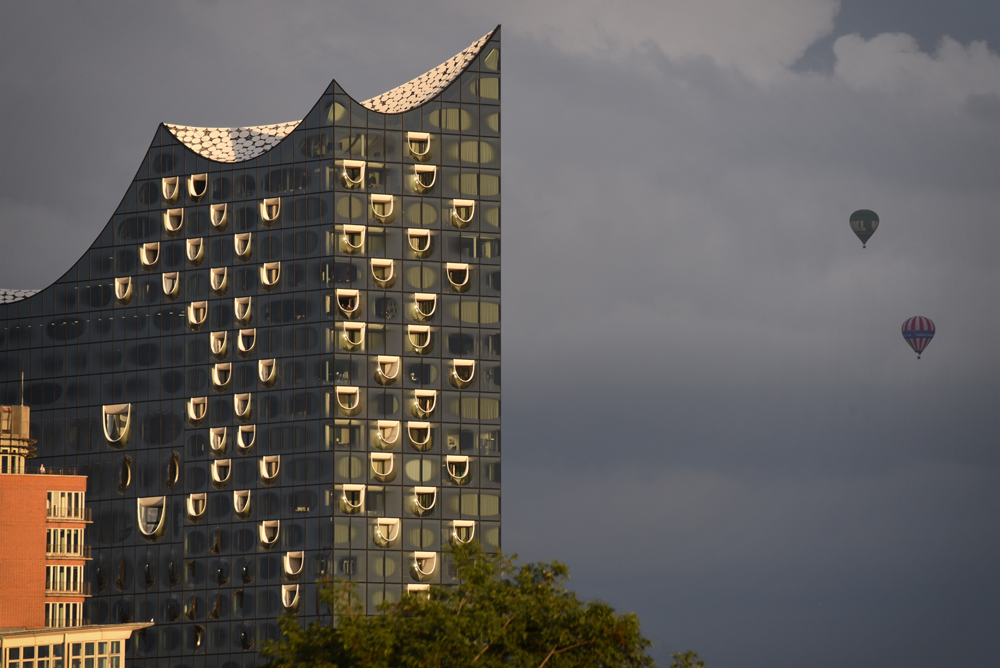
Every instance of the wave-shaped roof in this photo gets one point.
(239, 144)
(11, 296)
(231, 144)
(417, 91)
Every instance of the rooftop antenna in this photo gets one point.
(22, 388)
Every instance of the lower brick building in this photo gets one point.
(43, 558)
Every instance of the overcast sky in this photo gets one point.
(710, 413)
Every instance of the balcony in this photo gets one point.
(67, 589)
(59, 553)
(47, 470)
(60, 514)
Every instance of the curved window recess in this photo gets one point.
(353, 174)
(125, 478)
(419, 144)
(219, 215)
(195, 251)
(352, 240)
(293, 563)
(222, 469)
(388, 432)
(171, 187)
(269, 531)
(241, 308)
(197, 504)
(387, 369)
(458, 468)
(458, 276)
(117, 423)
(462, 212)
(386, 531)
(418, 589)
(270, 209)
(197, 186)
(171, 281)
(290, 596)
(462, 373)
(173, 470)
(352, 499)
(424, 565)
(420, 435)
(348, 302)
(219, 344)
(242, 406)
(245, 437)
(123, 290)
(149, 254)
(420, 241)
(381, 207)
(424, 305)
(462, 531)
(270, 274)
(173, 220)
(246, 342)
(217, 440)
(424, 177)
(424, 402)
(353, 336)
(424, 499)
(222, 373)
(241, 503)
(219, 280)
(270, 466)
(267, 371)
(197, 409)
(152, 517)
(383, 466)
(383, 271)
(197, 314)
(242, 246)
(419, 337)
(348, 400)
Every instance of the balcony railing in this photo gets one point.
(59, 513)
(65, 589)
(83, 553)
(46, 470)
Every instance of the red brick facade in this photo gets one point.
(23, 524)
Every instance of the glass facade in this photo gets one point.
(280, 369)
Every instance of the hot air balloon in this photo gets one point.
(864, 223)
(918, 332)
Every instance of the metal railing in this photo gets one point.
(64, 589)
(82, 553)
(46, 470)
(60, 513)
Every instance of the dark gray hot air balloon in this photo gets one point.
(864, 223)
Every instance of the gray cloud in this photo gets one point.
(710, 413)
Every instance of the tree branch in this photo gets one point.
(554, 651)
(509, 620)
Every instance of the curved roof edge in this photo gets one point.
(231, 144)
(415, 92)
(11, 296)
(240, 144)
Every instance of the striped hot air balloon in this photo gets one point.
(918, 332)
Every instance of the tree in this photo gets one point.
(497, 615)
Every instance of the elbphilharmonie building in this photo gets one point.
(279, 362)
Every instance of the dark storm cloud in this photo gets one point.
(710, 412)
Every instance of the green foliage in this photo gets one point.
(688, 659)
(499, 615)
